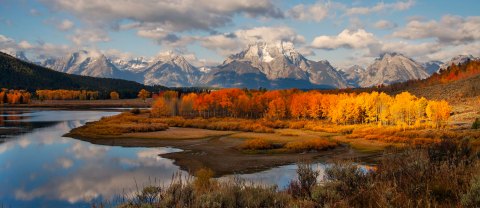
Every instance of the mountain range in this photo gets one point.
(267, 65)
(18, 74)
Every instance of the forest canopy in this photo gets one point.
(403, 110)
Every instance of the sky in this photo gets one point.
(207, 31)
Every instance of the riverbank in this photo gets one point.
(233, 145)
(218, 150)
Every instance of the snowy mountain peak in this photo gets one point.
(263, 52)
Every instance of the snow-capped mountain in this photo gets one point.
(273, 65)
(460, 59)
(170, 69)
(138, 64)
(392, 68)
(17, 54)
(267, 65)
(85, 63)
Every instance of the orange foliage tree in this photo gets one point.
(143, 94)
(114, 95)
(403, 110)
(66, 95)
(14, 96)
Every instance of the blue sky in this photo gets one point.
(206, 31)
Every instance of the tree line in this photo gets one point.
(14, 96)
(66, 95)
(403, 109)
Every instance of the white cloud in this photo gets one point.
(450, 29)
(411, 49)
(384, 24)
(316, 12)
(65, 162)
(345, 39)
(84, 37)
(226, 44)
(398, 6)
(65, 25)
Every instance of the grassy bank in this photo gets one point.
(262, 135)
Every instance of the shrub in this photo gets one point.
(203, 180)
(135, 111)
(257, 144)
(476, 124)
(472, 197)
(310, 144)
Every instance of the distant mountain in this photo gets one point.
(88, 63)
(268, 65)
(432, 66)
(353, 75)
(458, 60)
(276, 65)
(392, 68)
(18, 74)
(172, 70)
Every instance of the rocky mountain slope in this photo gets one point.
(276, 65)
(392, 68)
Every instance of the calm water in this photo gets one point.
(40, 168)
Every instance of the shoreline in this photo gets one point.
(219, 153)
(82, 104)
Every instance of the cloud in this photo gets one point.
(384, 24)
(64, 162)
(229, 43)
(411, 49)
(449, 30)
(65, 25)
(398, 6)
(88, 36)
(175, 16)
(345, 39)
(316, 12)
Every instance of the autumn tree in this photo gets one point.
(161, 108)
(438, 113)
(277, 109)
(114, 95)
(143, 94)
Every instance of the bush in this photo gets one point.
(472, 197)
(135, 111)
(310, 144)
(203, 180)
(476, 124)
(257, 144)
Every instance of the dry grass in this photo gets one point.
(118, 125)
(221, 124)
(180, 133)
(286, 140)
(257, 144)
(310, 144)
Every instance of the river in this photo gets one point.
(41, 168)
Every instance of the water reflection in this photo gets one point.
(40, 168)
